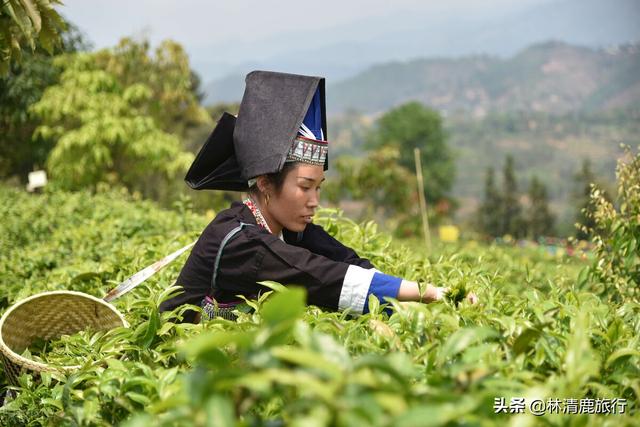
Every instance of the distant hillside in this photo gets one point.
(551, 147)
(551, 77)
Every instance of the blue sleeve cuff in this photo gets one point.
(382, 286)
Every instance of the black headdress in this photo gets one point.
(282, 118)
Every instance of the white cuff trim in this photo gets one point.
(355, 288)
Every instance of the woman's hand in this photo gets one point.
(435, 293)
(410, 291)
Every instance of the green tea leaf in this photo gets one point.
(523, 342)
(620, 355)
(284, 306)
(138, 398)
(152, 328)
(308, 359)
(219, 412)
(464, 338)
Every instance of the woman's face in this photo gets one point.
(295, 206)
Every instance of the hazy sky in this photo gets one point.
(197, 23)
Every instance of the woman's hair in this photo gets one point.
(276, 179)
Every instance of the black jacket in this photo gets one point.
(312, 259)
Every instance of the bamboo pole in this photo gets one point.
(423, 202)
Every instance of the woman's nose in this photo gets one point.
(313, 200)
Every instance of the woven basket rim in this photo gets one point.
(39, 366)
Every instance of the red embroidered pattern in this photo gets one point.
(257, 214)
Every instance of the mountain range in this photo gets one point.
(348, 50)
(551, 77)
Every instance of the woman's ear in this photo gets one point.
(263, 184)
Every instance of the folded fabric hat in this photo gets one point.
(282, 118)
(216, 166)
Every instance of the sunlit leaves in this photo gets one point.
(25, 24)
(102, 131)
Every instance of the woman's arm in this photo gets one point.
(257, 256)
(317, 240)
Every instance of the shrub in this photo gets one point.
(616, 234)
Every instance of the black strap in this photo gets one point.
(224, 242)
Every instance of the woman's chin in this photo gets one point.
(296, 227)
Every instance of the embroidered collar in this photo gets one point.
(253, 207)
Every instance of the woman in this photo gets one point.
(276, 152)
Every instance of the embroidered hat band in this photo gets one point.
(307, 150)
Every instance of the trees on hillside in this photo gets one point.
(165, 71)
(501, 208)
(410, 126)
(540, 221)
(118, 116)
(101, 129)
(23, 86)
(384, 177)
(501, 211)
(511, 210)
(488, 215)
(18, 91)
(386, 186)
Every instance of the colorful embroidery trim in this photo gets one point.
(308, 151)
(253, 207)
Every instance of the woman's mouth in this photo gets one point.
(308, 218)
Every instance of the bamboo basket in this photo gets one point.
(48, 315)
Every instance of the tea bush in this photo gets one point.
(538, 332)
(616, 232)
